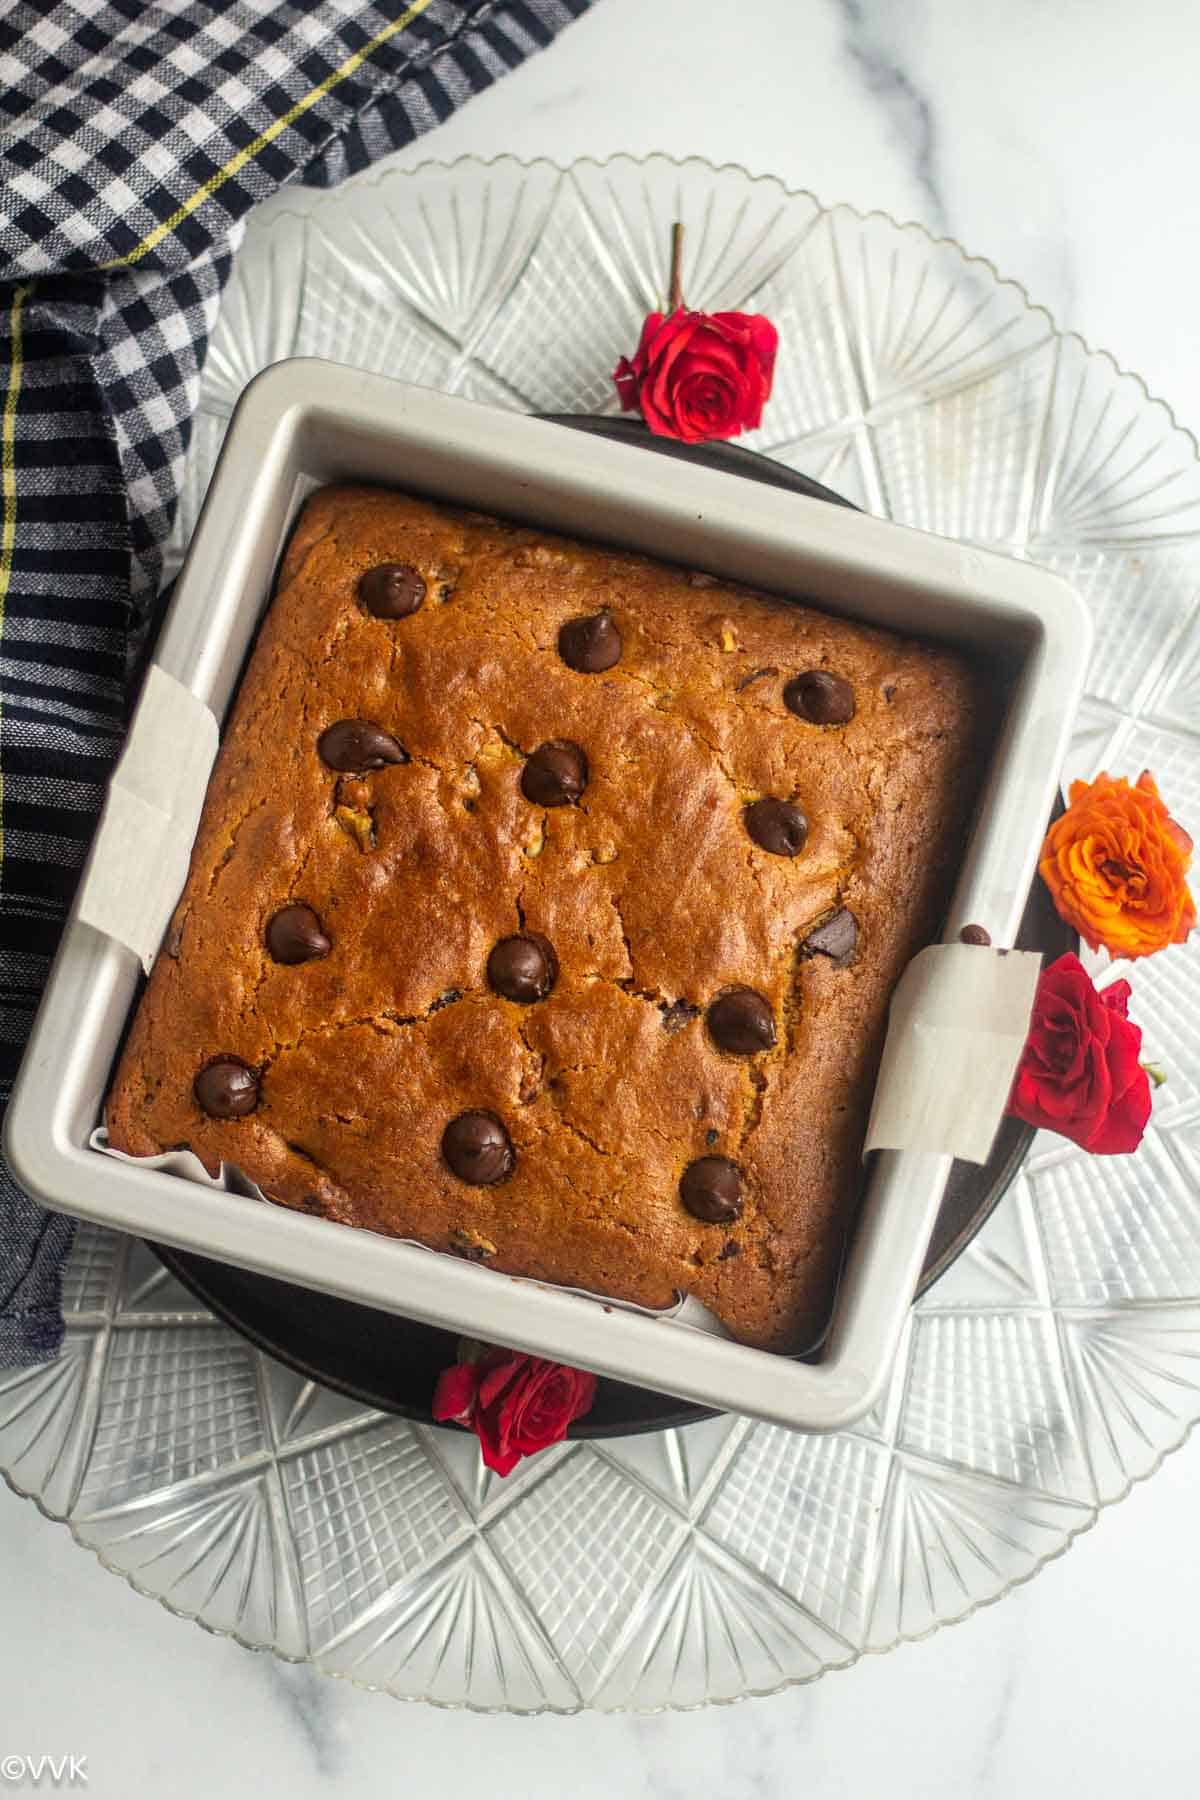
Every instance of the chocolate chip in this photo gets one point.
(226, 1088)
(355, 745)
(711, 1136)
(391, 590)
(556, 774)
(741, 1022)
(777, 826)
(591, 644)
(711, 1189)
(478, 1149)
(819, 697)
(678, 1014)
(975, 934)
(731, 1247)
(837, 939)
(294, 935)
(523, 967)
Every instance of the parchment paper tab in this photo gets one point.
(140, 861)
(956, 1029)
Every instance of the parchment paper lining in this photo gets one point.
(151, 812)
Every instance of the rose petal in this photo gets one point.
(652, 329)
(626, 378)
(497, 1378)
(1116, 997)
(1122, 1129)
(454, 1395)
(502, 1458)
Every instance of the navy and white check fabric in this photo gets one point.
(135, 136)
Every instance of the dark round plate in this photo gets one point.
(393, 1363)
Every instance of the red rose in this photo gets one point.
(700, 375)
(1079, 1073)
(514, 1404)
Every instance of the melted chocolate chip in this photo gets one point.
(556, 774)
(731, 1247)
(591, 644)
(523, 967)
(837, 939)
(711, 1190)
(819, 697)
(741, 1022)
(356, 745)
(975, 934)
(294, 935)
(478, 1149)
(392, 590)
(777, 826)
(226, 1089)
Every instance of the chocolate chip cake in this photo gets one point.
(545, 908)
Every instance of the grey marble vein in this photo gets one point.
(874, 44)
(994, 1732)
(309, 1701)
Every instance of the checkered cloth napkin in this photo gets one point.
(134, 138)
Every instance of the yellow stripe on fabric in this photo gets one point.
(238, 162)
(8, 475)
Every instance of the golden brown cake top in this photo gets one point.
(455, 732)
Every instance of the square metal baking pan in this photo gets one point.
(305, 423)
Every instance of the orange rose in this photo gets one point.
(1116, 866)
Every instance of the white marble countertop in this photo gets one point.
(1061, 141)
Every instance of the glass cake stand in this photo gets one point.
(1050, 1368)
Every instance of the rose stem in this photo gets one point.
(675, 298)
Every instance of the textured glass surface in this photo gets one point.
(1058, 1360)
